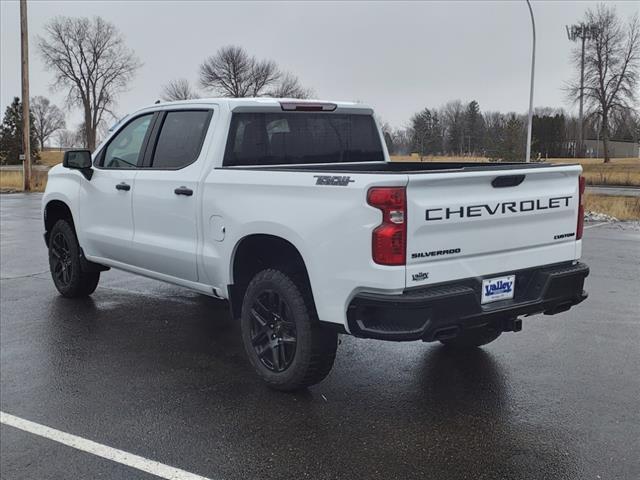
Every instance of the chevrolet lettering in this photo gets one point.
(501, 208)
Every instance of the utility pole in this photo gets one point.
(583, 33)
(533, 68)
(26, 127)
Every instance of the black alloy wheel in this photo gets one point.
(288, 347)
(61, 260)
(64, 262)
(273, 331)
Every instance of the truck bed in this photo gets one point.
(403, 167)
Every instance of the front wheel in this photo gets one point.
(285, 343)
(64, 263)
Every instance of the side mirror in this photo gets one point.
(79, 160)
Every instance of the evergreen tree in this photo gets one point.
(11, 135)
(437, 143)
(494, 134)
(474, 128)
(514, 140)
(548, 135)
(425, 128)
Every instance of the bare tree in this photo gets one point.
(80, 134)
(453, 117)
(289, 86)
(402, 141)
(611, 67)
(264, 73)
(66, 139)
(229, 72)
(47, 119)
(91, 60)
(179, 89)
(387, 133)
(232, 72)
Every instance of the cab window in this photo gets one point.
(180, 139)
(125, 149)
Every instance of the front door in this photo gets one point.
(106, 216)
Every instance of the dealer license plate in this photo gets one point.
(499, 288)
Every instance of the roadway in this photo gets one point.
(159, 372)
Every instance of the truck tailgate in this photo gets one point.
(476, 223)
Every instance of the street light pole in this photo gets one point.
(26, 127)
(533, 67)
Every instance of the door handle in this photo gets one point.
(183, 191)
(123, 186)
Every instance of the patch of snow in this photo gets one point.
(598, 217)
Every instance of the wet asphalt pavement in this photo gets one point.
(159, 371)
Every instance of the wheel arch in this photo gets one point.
(257, 252)
(55, 210)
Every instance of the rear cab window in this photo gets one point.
(286, 138)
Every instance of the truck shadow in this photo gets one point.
(463, 381)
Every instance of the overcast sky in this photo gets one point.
(398, 57)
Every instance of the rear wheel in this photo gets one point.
(472, 338)
(64, 263)
(285, 343)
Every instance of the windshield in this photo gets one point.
(300, 138)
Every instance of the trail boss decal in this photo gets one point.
(339, 180)
(490, 209)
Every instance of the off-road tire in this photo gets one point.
(64, 263)
(315, 345)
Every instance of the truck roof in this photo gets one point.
(232, 103)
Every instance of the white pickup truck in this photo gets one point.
(292, 211)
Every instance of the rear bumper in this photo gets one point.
(439, 311)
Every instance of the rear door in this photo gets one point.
(166, 196)
(475, 223)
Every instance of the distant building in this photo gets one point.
(594, 149)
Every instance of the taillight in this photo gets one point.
(580, 227)
(389, 240)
